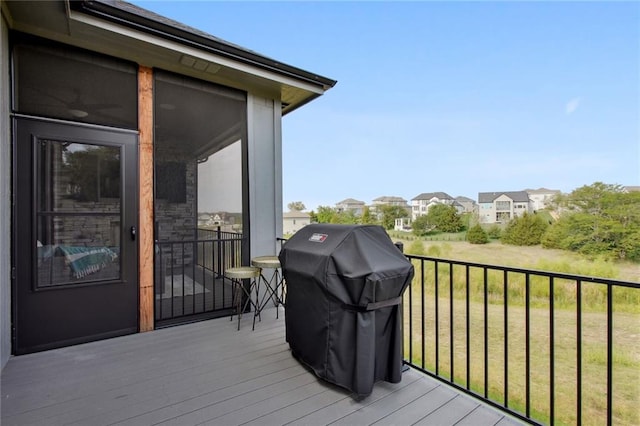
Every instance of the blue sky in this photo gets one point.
(459, 97)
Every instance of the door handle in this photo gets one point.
(133, 233)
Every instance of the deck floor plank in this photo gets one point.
(401, 407)
(480, 416)
(210, 373)
(452, 412)
(347, 404)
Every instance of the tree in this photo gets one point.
(297, 206)
(477, 235)
(390, 214)
(327, 214)
(367, 218)
(598, 219)
(525, 230)
(421, 226)
(592, 199)
(445, 218)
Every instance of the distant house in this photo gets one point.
(420, 204)
(205, 219)
(294, 220)
(355, 206)
(501, 207)
(468, 205)
(541, 198)
(632, 188)
(390, 201)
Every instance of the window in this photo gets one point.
(503, 217)
(503, 205)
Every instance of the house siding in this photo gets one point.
(265, 178)
(494, 208)
(421, 204)
(292, 224)
(5, 195)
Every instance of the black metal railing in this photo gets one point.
(545, 347)
(189, 276)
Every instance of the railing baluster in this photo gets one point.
(437, 318)
(204, 280)
(215, 274)
(182, 269)
(161, 281)
(172, 307)
(411, 321)
(468, 330)
(486, 335)
(451, 344)
(423, 320)
(552, 379)
(527, 343)
(194, 247)
(609, 354)
(579, 352)
(505, 290)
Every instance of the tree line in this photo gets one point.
(598, 219)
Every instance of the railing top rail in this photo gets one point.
(560, 275)
(240, 238)
(218, 230)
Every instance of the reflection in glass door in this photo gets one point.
(78, 213)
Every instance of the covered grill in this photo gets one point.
(342, 312)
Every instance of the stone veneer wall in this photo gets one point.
(177, 221)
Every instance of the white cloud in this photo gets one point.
(572, 105)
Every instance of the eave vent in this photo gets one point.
(199, 64)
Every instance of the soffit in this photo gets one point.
(54, 20)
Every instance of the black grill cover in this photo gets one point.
(342, 312)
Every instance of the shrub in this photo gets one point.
(477, 235)
(494, 232)
(525, 230)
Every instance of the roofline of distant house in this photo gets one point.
(111, 12)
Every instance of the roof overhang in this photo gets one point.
(123, 30)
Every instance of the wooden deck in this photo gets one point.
(209, 373)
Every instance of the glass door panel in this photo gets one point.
(78, 213)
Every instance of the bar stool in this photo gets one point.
(236, 275)
(274, 284)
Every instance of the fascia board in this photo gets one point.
(194, 52)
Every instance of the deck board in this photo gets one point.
(209, 373)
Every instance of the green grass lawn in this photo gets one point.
(533, 257)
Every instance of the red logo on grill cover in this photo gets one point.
(318, 238)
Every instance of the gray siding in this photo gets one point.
(5, 205)
(265, 176)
